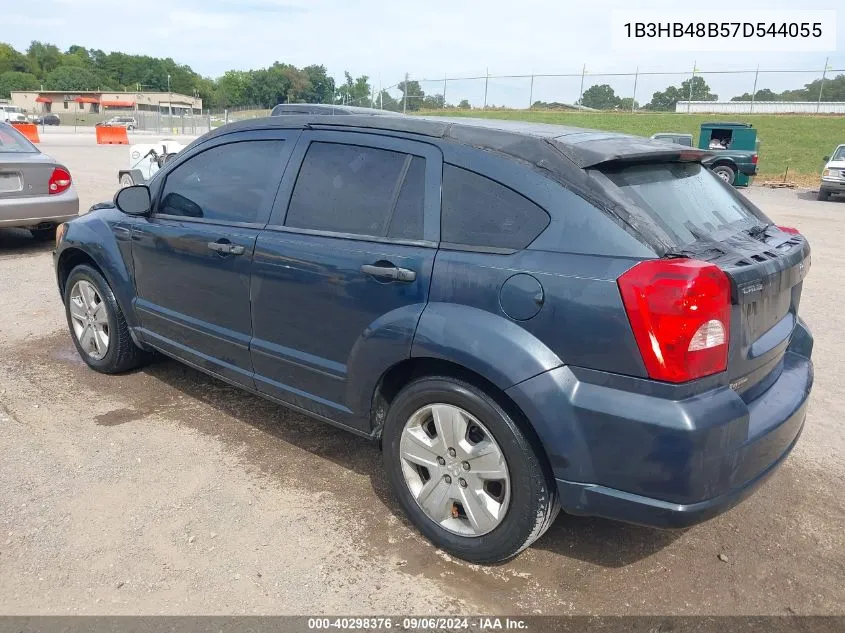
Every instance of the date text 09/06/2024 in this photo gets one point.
(425, 623)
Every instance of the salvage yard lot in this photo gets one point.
(166, 491)
(798, 142)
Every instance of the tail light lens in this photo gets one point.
(59, 181)
(754, 159)
(679, 310)
(789, 229)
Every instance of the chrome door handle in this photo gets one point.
(389, 272)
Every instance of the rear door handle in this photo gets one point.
(389, 272)
(226, 248)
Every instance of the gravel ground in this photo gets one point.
(166, 491)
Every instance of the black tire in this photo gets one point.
(533, 502)
(122, 354)
(823, 195)
(44, 234)
(130, 128)
(726, 173)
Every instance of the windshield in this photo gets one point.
(13, 142)
(839, 154)
(685, 200)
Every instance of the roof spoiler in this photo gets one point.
(621, 150)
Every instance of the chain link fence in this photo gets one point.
(180, 123)
(632, 91)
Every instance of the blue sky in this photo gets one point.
(387, 39)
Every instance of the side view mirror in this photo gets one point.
(826, 158)
(134, 200)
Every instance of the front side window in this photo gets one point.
(235, 182)
(359, 190)
(480, 212)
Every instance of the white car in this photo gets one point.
(833, 176)
(145, 159)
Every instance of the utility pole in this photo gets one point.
(581, 95)
(444, 90)
(821, 87)
(634, 98)
(691, 81)
(531, 93)
(169, 100)
(754, 89)
(486, 81)
(405, 96)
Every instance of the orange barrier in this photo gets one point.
(111, 135)
(29, 130)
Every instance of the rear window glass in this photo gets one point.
(685, 200)
(13, 142)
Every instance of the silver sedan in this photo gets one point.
(36, 192)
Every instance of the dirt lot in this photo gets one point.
(165, 491)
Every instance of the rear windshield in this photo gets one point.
(685, 200)
(13, 142)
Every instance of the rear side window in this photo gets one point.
(359, 190)
(685, 200)
(477, 211)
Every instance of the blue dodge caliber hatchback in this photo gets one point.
(526, 317)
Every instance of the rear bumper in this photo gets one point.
(646, 459)
(38, 209)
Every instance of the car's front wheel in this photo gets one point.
(823, 195)
(464, 472)
(97, 325)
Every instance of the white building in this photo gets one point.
(761, 107)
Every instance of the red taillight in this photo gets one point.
(59, 181)
(789, 229)
(680, 311)
(754, 159)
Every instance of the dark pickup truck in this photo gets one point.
(728, 142)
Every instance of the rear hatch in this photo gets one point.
(687, 212)
(24, 171)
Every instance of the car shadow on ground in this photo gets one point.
(596, 541)
(21, 242)
(813, 195)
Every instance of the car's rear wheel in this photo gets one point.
(130, 128)
(823, 195)
(44, 234)
(97, 325)
(726, 173)
(464, 472)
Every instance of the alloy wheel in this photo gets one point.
(89, 318)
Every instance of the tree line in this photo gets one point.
(45, 66)
(603, 97)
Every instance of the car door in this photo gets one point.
(342, 272)
(193, 255)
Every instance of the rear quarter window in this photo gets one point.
(479, 212)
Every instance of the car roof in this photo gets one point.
(536, 143)
(324, 108)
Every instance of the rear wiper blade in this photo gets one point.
(759, 230)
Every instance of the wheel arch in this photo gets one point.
(404, 372)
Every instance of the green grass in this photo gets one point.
(798, 142)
